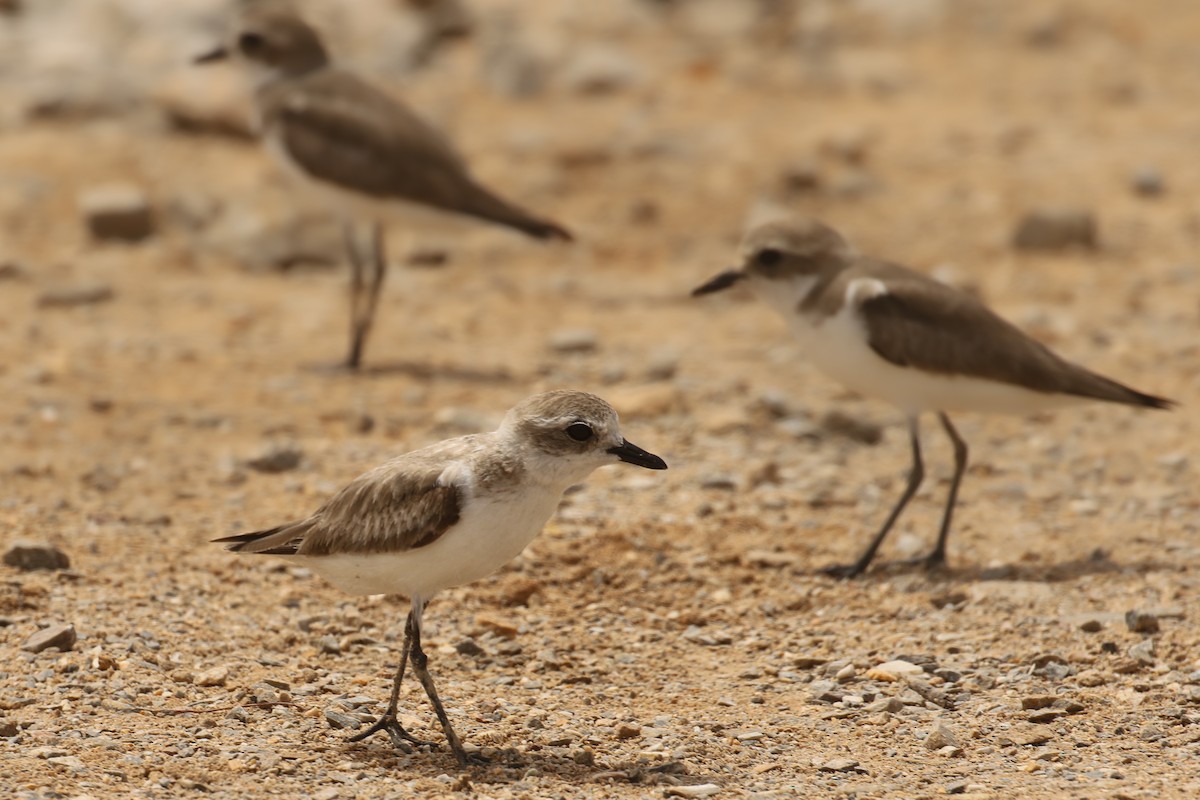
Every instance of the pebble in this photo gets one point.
(1142, 652)
(8, 728)
(893, 671)
(574, 340)
(216, 676)
(1148, 181)
(117, 212)
(75, 296)
(695, 790)
(1141, 621)
(1055, 229)
(340, 720)
(61, 636)
(941, 735)
(628, 731)
(28, 555)
(853, 428)
(501, 626)
(840, 765)
(277, 458)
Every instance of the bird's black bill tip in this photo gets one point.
(723, 281)
(212, 56)
(630, 453)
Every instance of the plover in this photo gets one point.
(363, 152)
(449, 514)
(886, 331)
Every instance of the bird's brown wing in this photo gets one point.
(389, 509)
(927, 325)
(342, 130)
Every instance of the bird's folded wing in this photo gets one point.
(927, 326)
(386, 510)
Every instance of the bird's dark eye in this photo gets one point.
(768, 257)
(580, 431)
(251, 42)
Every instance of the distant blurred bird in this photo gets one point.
(886, 331)
(363, 151)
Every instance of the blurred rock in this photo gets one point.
(72, 296)
(600, 69)
(13, 271)
(277, 458)
(1148, 182)
(803, 177)
(1056, 229)
(27, 555)
(511, 64)
(61, 636)
(260, 245)
(117, 212)
(651, 400)
(573, 340)
(853, 428)
(1142, 622)
(941, 735)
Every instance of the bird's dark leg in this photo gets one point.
(420, 664)
(389, 721)
(915, 475)
(378, 266)
(938, 557)
(358, 330)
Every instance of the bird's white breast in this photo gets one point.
(491, 531)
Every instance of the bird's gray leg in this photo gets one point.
(389, 721)
(378, 273)
(357, 268)
(915, 476)
(938, 557)
(420, 664)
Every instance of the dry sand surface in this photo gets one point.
(669, 634)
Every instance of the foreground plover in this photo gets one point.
(449, 514)
(359, 149)
(888, 332)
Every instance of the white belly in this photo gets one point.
(488, 535)
(838, 347)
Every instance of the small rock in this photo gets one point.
(1091, 677)
(1034, 702)
(238, 713)
(628, 731)
(770, 558)
(1148, 182)
(117, 212)
(61, 636)
(1055, 229)
(1142, 652)
(801, 178)
(1141, 621)
(1026, 735)
(215, 676)
(75, 296)
(573, 341)
(518, 592)
(958, 787)
(846, 674)
(500, 626)
(941, 735)
(277, 458)
(341, 720)
(27, 555)
(1091, 626)
(893, 671)
(841, 765)
(8, 729)
(469, 647)
(695, 790)
(853, 428)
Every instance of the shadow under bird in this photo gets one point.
(886, 331)
(363, 152)
(450, 514)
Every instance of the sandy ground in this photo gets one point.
(668, 631)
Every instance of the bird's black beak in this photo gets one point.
(630, 453)
(723, 281)
(220, 54)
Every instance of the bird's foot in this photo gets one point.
(473, 758)
(402, 740)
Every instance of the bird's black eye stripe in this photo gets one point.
(250, 41)
(580, 431)
(768, 257)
